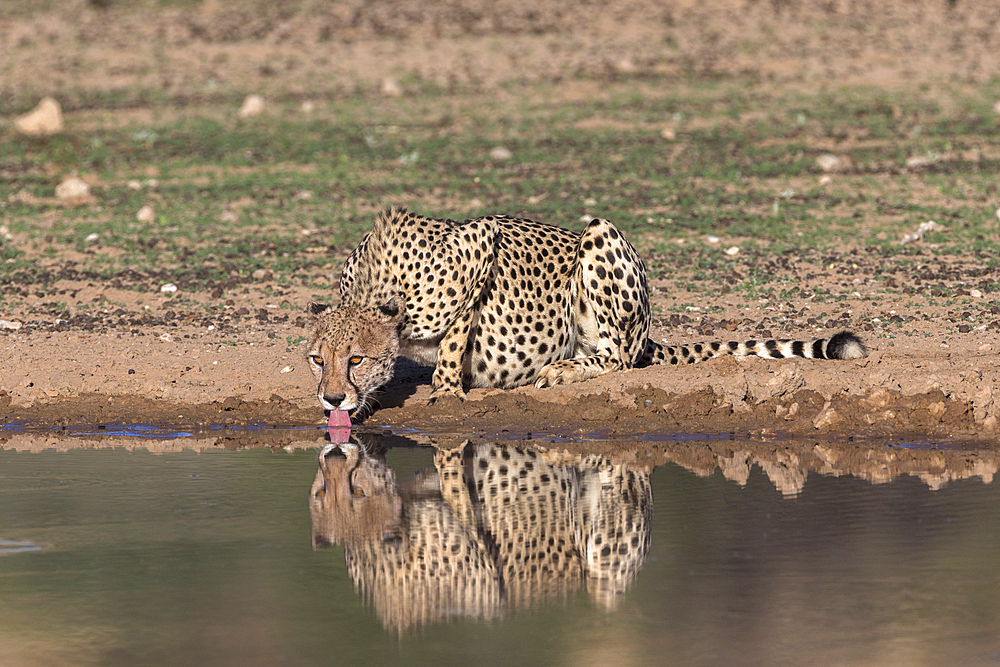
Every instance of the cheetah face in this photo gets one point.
(353, 351)
(353, 497)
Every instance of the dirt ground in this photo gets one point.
(151, 366)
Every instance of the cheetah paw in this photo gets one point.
(443, 392)
(550, 377)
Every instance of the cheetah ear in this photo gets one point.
(316, 308)
(392, 310)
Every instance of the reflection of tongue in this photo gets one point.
(339, 419)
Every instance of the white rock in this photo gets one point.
(166, 337)
(46, 118)
(668, 133)
(305, 195)
(5, 233)
(829, 162)
(73, 190)
(625, 66)
(168, 288)
(391, 87)
(975, 294)
(286, 369)
(134, 185)
(263, 274)
(924, 228)
(919, 161)
(146, 214)
(253, 105)
(732, 251)
(308, 106)
(10, 324)
(712, 239)
(92, 238)
(501, 153)
(825, 180)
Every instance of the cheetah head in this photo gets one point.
(353, 498)
(353, 351)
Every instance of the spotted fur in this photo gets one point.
(502, 302)
(492, 529)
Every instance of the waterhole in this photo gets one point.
(130, 549)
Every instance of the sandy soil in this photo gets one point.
(940, 381)
(917, 390)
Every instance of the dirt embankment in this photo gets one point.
(911, 391)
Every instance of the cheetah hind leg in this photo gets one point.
(612, 308)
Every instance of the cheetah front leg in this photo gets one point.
(447, 378)
(611, 303)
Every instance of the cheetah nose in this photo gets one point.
(334, 399)
(333, 452)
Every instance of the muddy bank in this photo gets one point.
(915, 390)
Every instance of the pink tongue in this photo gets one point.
(339, 419)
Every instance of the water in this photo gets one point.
(114, 556)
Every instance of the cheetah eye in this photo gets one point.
(316, 359)
(356, 359)
(320, 493)
(358, 491)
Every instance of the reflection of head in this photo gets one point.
(353, 497)
(493, 528)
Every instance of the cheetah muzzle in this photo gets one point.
(501, 302)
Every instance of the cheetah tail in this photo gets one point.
(843, 345)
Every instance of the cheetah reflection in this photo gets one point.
(491, 530)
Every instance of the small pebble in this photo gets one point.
(919, 161)
(829, 162)
(391, 88)
(72, 189)
(146, 214)
(501, 153)
(167, 288)
(253, 105)
(44, 119)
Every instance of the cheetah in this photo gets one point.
(492, 529)
(500, 302)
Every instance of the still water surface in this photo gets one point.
(119, 557)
